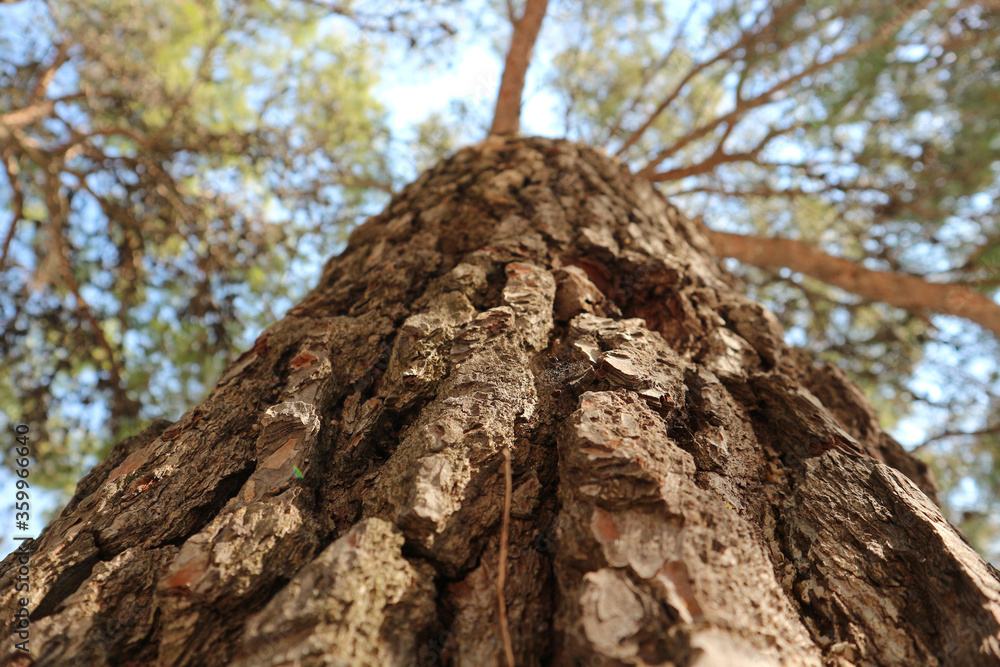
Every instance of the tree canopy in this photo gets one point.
(174, 174)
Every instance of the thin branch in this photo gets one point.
(975, 257)
(48, 73)
(11, 167)
(502, 559)
(718, 157)
(35, 112)
(944, 435)
(201, 74)
(28, 145)
(649, 74)
(697, 69)
(760, 191)
(58, 211)
(743, 106)
(349, 181)
(901, 290)
(788, 192)
(507, 116)
(746, 37)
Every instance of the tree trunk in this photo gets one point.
(686, 489)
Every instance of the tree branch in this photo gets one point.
(35, 112)
(905, 291)
(720, 157)
(743, 106)
(944, 435)
(648, 75)
(13, 171)
(747, 36)
(58, 212)
(511, 13)
(48, 73)
(507, 116)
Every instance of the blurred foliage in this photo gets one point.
(196, 157)
(178, 172)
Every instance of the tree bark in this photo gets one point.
(686, 489)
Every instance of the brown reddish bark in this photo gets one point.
(686, 489)
(896, 289)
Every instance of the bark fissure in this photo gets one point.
(684, 486)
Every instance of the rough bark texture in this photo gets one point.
(687, 490)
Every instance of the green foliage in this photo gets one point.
(163, 201)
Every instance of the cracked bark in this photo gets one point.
(687, 489)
